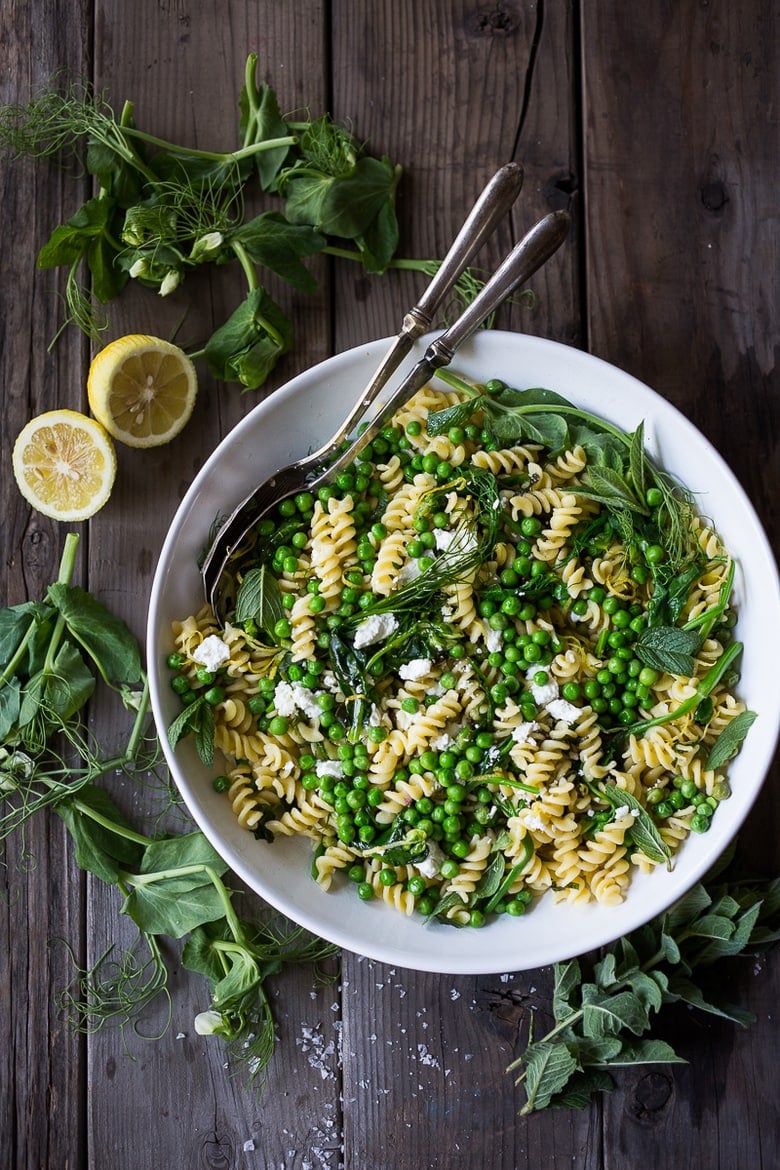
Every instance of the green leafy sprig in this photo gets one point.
(160, 210)
(603, 1009)
(53, 654)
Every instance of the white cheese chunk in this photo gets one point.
(292, 697)
(493, 638)
(443, 538)
(212, 653)
(430, 865)
(624, 811)
(543, 695)
(417, 668)
(374, 629)
(329, 768)
(561, 709)
(408, 572)
(523, 732)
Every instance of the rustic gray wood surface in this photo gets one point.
(654, 124)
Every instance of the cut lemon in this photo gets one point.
(64, 464)
(142, 389)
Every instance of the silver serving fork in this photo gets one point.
(309, 474)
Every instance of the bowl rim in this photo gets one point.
(340, 931)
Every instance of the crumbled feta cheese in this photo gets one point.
(624, 811)
(430, 865)
(332, 768)
(212, 653)
(534, 822)
(444, 538)
(330, 682)
(543, 695)
(417, 668)
(442, 742)
(561, 709)
(493, 638)
(523, 732)
(408, 572)
(446, 612)
(292, 697)
(375, 628)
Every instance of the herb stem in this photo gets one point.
(249, 269)
(216, 156)
(67, 564)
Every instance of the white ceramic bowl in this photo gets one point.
(297, 418)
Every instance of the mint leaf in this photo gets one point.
(259, 598)
(548, 1067)
(668, 648)
(606, 1015)
(730, 740)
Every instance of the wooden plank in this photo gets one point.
(451, 93)
(680, 160)
(41, 894)
(185, 73)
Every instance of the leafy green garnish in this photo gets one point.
(603, 1008)
(668, 648)
(53, 654)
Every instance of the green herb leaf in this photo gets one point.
(568, 977)
(645, 1052)
(163, 907)
(730, 740)
(606, 1014)
(10, 705)
(259, 598)
(343, 205)
(458, 415)
(549, 1065)
(197, 717)
(637, 461)
(643, 832)
(53, 696)
(668, 648)
(579, 1091)
(610, 488)
(199, 953)
(180, 851)
(261, 121)
(243, 975)
(69, 242)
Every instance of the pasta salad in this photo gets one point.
(491, 660)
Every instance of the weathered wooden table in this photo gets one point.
(654, 124)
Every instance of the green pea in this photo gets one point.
(279, 725)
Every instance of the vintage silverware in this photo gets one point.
(310, 473)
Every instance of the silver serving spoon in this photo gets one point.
(308, 474)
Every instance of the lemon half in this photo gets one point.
(142, 389)
(64, 464)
